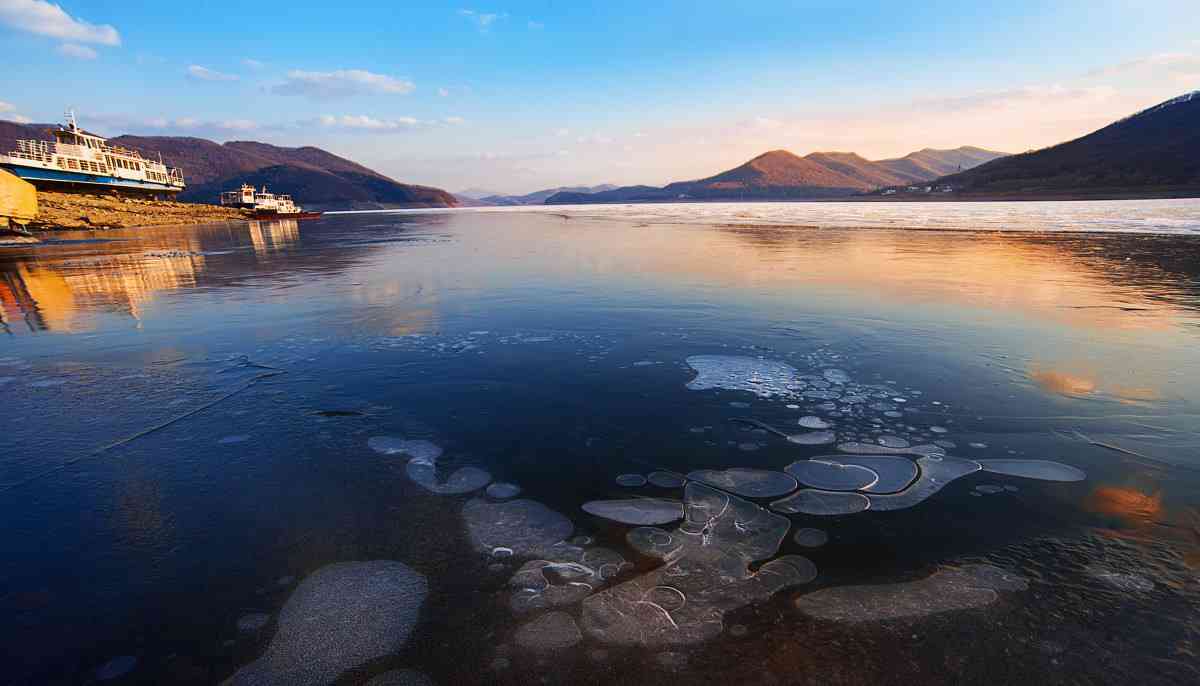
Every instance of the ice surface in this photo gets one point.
(761, 377)
(748, 483)
(417, 449)
(935, 473)
(836, 376)
(810, 422)
(462, 480)
(947, 590)
(873, 449)
(665, 479)
(895, 472)
(813, 438)
(527, 527)
(631, 480)
(892, 442)
(823, 503)
(827, 475)
(810, 538)
(342, 616)
(503, 491)
(637, 511)
(549, 632)
(1043, 470)
(706, 573)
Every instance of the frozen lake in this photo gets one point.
(659, 444)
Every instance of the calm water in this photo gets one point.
(189, 412)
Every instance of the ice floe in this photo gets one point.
(748, 483)
(935, 472)
(461, 480)
(895, 473)
(665, 479)
(1043, 470)
(636, 511)
(761, 377)
(503, 491)
(341, 617)
(527, 527)
(957, 588)
(810, 538)
(705, 573)
(822, 503)
(874, 449)
(827, 475)
(417, 449)
(810, 422)
(631, 480)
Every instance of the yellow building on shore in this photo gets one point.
(18, 201)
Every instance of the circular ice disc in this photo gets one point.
(636, 511)
(631, 480)
(810, 538)
(832, 476)
(895, 473)
(503, 491)
(665, 479)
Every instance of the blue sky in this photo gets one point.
(516, 96)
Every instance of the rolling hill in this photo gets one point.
(781, 175)
(1155, 152)
(316, 178)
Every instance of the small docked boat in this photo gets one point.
(264, 204)
(79, 158)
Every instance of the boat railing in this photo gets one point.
(37, 151)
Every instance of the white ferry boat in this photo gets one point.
(79, 157)
(266, 205)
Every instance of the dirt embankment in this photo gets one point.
(58, 210)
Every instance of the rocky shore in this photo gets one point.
(58, 210)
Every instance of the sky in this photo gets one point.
(518, 96)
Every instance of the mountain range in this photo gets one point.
(534, 198)
(1155, 152)
(316, 178)
(782, 175)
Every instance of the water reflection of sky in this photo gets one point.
(530, 341)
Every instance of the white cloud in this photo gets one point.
(362, 122)
(253, 64)
(341, 83)
(7, 107)
(9, 112)
(80, 52)
(237, 125)
(562, 133)
(47, 19)
(1177, 62)
(483, 20)
(205, 74)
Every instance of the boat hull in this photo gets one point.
(56, 177)
(271, 214)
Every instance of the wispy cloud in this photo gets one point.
(483, 20)
(341, 83)
(7, 107)
(362, 122)
(127, 123)
(47, 19)
(205, 74)
(535, 25)
(253, 64)
(1177, 62)
(79, 52)
(8, 111)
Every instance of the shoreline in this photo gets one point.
(69, 211)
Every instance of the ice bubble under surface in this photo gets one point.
(636, 511)
(748, 483)
(822, 503)
(827, 475)
(341, 617)
(761, 377)
(527, 527)
(957, 588)
(706, 573)
(1044, 470)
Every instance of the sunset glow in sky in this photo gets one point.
(519, 96)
